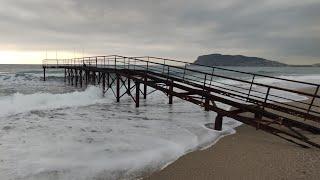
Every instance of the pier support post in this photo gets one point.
(218, 123)
(44, 74)
(94, 77)
(118, 87)
(137, 93)
(87, 77)
(69, 76)
(206, 104)
(65, 75)
(99, 77)
(108, 81)
(80, 74)
(257, 116)
(128, 90)
(76, 77)
(170, 92)
(145, 88)
(103, 83)
(72, 77)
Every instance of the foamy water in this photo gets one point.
(18, 103)
(52, 131)
(96, 138)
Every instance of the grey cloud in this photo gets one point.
(176, 28)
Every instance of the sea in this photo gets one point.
(51, 130)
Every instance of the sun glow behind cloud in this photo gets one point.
(33, 57)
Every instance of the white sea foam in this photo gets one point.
(18, 103)
(105, 140)
(313, 78)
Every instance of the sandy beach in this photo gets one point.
(248, 154)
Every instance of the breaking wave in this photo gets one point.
(18, 103)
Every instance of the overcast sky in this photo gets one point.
(282, 30)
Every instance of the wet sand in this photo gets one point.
(248, 154)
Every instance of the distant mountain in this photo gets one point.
(237, 60)
(316, 65)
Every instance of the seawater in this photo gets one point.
(49, 130)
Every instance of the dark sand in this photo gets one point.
(249, 154)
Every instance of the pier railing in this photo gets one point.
(290, 97)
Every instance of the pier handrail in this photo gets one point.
(269, 87)
(231, 70)
(188, 63)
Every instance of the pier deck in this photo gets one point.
(265, 107)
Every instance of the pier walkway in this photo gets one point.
(229, 93)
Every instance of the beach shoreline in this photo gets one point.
(247, 154)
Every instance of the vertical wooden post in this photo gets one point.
(258, 118)
(128, 90)
(86, 77)
(257, 115)
(145, 81)
(72, 77)
(103, 83)
(99, 77)
(145, 88)
(69, 77)
(206, 104)
(170, 92)
(94, 77)
(251, 86)
(80, 74)
(44, 74)
(137, 93)
(76, 77)
(108, 80)
(218, 122)
(118, 87)
(89, 77)
(313, 99)
(65, 75)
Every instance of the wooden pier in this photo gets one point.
(253, 103)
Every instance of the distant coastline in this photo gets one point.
(240, 60)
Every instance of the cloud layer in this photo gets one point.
(286, 30)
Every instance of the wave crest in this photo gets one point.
(19, 103)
